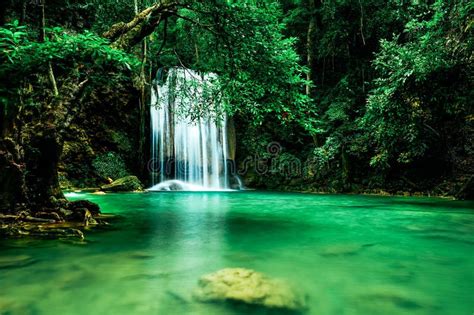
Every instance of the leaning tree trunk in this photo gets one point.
(126, 35)
(43, 145)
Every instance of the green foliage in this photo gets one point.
(24, 59)
(322, 156)
(107, 13)
(389, 78)
(110, 165)
(11, 39)
(258, 68)
(346, 36)
(267, 79)
(25, 56)
(411, 92)
(122, 140)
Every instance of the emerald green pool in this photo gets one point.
(350, 254)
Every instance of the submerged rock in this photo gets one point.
(17, 306)
(340, 250)
(249, 287)
(127, 183)
(392, 300)
(139, 255)
(44, 231)
(15, 261)
(336, 250)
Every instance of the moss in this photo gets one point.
(110, 165)
(128, 183)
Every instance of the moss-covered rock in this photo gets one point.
(249, 287)
(127, 183)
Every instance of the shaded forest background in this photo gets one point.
(369, 95)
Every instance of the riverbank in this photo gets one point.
(63, 219)
(461, 189)
(50, 225)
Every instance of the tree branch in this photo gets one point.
(126, 35)
(121, 28)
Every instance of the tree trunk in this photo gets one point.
(12, 181)
(43, 145)
(143, 111)
(3, 12)
(310, 46)
(51, 77)
(24, 4)
(43, 22)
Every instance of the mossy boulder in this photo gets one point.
(127, 183)
(249, 287)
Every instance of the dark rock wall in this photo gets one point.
(109, 122)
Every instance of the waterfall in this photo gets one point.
(188, 143)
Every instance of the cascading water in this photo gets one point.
(188, 154)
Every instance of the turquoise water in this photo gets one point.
(349, 254)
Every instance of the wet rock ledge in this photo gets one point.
(64, 219)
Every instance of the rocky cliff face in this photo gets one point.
(108, 125)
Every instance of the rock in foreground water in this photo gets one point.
(249, 287)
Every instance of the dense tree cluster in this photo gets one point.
(366, 93)
(392, 93)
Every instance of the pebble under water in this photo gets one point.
(348, 254)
